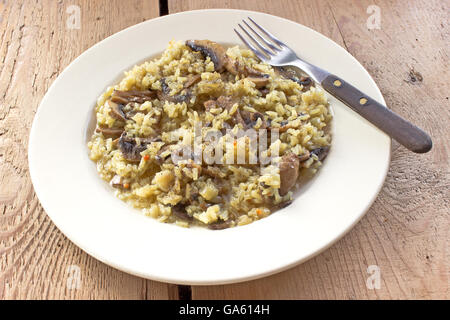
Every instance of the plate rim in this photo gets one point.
(99, 256)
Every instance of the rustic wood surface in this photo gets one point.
(405, 233)
(35, 257)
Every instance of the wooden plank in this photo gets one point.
(308, 13)
(406, 231)
(36, 260)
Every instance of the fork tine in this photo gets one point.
(258, 53)
(267, 33)
(259, 44)
(269, 44)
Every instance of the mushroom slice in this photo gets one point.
(237, 68)
(289, 166)
(192, 79)
(164, 94)
(250, 119)
(117, 111)
(219, 225)
(139, 96)
(304, 156)
(290, 74)
(306, 82)
(226, 103)
(264, 92)
(259, 81)
(284, 126)
(131, 149)
(218, 56)
(154, 139)
(283, 205)
(210, 104)
(210, 49)
(246, 118)
(179, 211)
(321, 152)
(110, 132)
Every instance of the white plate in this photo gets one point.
(84, 208)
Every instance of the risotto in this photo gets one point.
(210, 136)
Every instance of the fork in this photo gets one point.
(271, 50)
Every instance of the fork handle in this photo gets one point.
(391, 123)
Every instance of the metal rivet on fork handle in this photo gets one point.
(337, 83)
(363, 101)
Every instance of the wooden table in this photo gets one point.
(405, 233)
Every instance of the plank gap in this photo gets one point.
(184, 292)
(163, 7)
